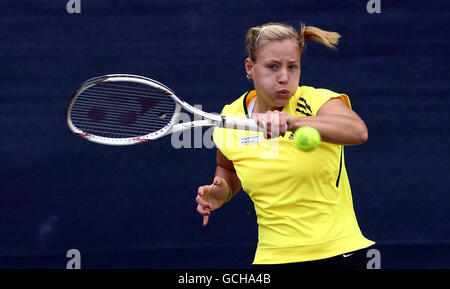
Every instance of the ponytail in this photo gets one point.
(327, 38)
(279, 31)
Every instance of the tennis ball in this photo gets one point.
(306, 138)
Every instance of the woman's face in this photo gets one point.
(276, 72)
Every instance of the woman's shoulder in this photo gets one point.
(239, 105)
(314, 98)
(305, 90)
(314, 94)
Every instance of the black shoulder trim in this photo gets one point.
(245, 104)
(306, 104)
(301, 111)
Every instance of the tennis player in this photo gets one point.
(303, 200)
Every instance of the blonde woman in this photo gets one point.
(303, 201)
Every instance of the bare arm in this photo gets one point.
(336, 123)
(226, 184)
(225, 169)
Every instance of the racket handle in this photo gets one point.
(243, 124)
(239, 123)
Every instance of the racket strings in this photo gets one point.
(123, 110)
(124, 107)
(131, 91)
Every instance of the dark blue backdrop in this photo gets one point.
(133, 207)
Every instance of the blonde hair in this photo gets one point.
(274, 31)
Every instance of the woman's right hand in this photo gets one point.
(211, 197)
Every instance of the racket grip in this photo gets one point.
(239, 123)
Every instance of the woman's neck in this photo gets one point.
(262, 107)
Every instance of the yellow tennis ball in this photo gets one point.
(307, 138)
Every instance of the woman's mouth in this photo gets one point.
(284, 93)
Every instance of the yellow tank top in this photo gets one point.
(303, 201)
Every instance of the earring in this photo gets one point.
(248, 77)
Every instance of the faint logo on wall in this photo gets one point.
(75, 259)
(73, 6)
(374, 257)
(373, 6)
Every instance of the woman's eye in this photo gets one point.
(272, 66)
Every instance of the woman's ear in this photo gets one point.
(249, 67)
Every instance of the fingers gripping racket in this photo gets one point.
(125, 109)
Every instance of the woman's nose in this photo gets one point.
(283, 76)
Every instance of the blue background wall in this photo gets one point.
(133, 207)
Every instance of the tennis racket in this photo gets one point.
(125, 109)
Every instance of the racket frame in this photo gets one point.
(173, 126)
